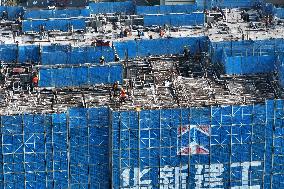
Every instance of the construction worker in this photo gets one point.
(116, 58)
(122, 95)
(34, 82)
(186, 52)
(4, 15)
(115, 88)
(162, 32)
(102, 60)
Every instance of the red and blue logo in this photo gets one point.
(193, 139)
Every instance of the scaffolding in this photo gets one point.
(55, 150)
(208, 147)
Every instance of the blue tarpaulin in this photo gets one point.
(227, 3)
(80, 76)
(65, 54)
(61, 150)
(54, 24)
(245, 48)
(175, 19)
(177, 148)
(249, 64)
(8, 53)
(279, 12)
(165, 9)
(112, 7)
(29, 53)
(66, 13)
(13, 11)
(141, 48)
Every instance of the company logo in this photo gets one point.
(193, 139)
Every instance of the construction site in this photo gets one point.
(146, 95)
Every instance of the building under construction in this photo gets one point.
(118, 95)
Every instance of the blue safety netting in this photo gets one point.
(35, 151)
(8, 53)
(65, 54)
(164, 46)
(126, 7)
(66, 13)
(175, 19)
(29, 53)
(208, 4)
(279, 12)
(13, 11)
(234, 3)
(235, 146)
(280, 69)
(89, 147)
(249, 64)
(80, 76)
(203, 4)
(189, 148)
(56, 150)
(245, 48)
(165, 9)
(54, 24)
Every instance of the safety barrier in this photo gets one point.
(65, 54)
(53, 24)
(67, 13)
(222, 147)
(29, 53)
(236, 146)
(280, 69)
(141, 48)
(13, 11)
(55, 54)
(249, 64)
(126, 7)
(80, 76)
(165, 9)
(279, 12)
(245, 48)
(55, 150)
(192, 19)
(234, 3)
(203, 4)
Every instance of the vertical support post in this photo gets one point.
(190, 150)
(120, 171)
(265, 148)
(24, 150)
(45, 149)
(2, 151)
(139, 155)
(160, 141)
(52, 151)
(252, 136)
(111, 148)
(68, 149)
(88, 143)
(273, 144)
(230, 149)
